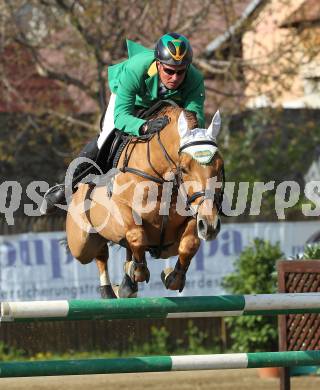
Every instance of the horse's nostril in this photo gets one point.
(202, 226)
(208, 231)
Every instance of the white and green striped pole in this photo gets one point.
(159, 363)
(213, 306)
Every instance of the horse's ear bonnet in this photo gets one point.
(214, 128)
(182, 125)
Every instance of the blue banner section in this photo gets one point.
(38, 265)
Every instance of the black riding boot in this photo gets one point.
(56, 194)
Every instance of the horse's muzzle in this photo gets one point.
(208, 230)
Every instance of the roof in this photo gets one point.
(308, 12)
(234, 29)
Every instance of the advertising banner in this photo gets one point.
(37, 266)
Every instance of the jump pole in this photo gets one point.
(159, 363)
(213, 306)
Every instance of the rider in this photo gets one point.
(138, 83)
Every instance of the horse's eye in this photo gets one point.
(184, 170)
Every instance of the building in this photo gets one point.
(275, 55)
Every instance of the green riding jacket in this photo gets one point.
(135, 83)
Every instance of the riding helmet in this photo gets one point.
(173, 49)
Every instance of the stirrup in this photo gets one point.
(55, 195)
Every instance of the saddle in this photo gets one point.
(109, 154)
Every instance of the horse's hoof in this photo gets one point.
(127, 288)
(107, 292)
(138, 272)
(173, 279)
(115, 288)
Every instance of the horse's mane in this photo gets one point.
(174, 112)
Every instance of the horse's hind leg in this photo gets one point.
(106, 290)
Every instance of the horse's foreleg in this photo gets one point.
(175, 278)
(128, 288)
(106, 290)
(137, 268)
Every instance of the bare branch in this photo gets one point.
(72, 120)
(205, 65)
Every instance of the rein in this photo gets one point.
(159, 179)
(177, 179)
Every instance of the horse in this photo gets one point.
(160, 203)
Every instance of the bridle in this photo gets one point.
(176, 180)
(216, 197)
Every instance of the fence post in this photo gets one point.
(297, 276)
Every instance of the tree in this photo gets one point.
(72, 42)
(55, 54)
(254, 274)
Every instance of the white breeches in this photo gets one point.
(108, 121)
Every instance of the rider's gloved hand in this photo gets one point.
(154, 125)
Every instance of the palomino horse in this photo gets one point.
(166, 196)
